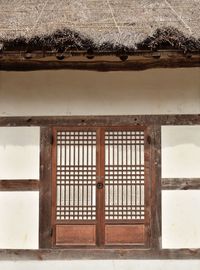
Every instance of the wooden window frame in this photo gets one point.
(46, 251)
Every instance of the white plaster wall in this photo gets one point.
(180, 151)
(19, 152)
(106, 265)
(92, 93)
(19, 222)
(180, 159)
(180, 219)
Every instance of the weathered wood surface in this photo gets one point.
(156, 188)
(180, 183)
(103, 65)
(105, 254)
(187, 119)
(19, 185)
(45, 207)
(105, 61)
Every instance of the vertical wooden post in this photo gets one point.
(156, 187)
(45, 230)
(149, 170)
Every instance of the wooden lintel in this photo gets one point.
(99, 66)
(177, 119)
(105, 254)
(19, 185)
(180, 183)
(102, 61)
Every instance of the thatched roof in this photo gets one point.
(100, 24)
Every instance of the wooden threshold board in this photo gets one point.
(97, 253)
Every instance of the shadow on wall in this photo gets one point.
(180, 135)
(92, 93)
(19, 136)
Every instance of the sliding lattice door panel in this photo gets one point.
(124, 186)
(100, 183)
(75, 187)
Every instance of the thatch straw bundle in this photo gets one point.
(100, 25)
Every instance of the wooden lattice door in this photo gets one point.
(100, 186)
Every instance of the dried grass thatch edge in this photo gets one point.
(63, 40)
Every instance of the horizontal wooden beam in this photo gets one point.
(105, 254)
(99, 66)
(190, 119)
(19, 185)
(102, 61)
(77, 55)
(180, 183)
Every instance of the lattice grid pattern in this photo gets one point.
(124, 175)
(76, 175)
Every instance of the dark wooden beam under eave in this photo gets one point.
(140, 60)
